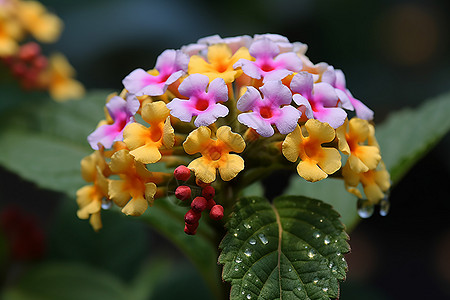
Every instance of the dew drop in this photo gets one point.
(248, 226)
(290, 270)
(326, 241)
(236, 269)
(248, 252)
(252, 241)
(249, 274)
(299, 288)
(316, 280)
(321, 220)
(325, 289)
(263, 239)
(365, 208)
(257, 280)
(338, 254)
(235, 234)
(311, 254)
(334, 270)
(243, 293)
(249, 296)
(106, 204)
(317, 235)
(330, 265)
(238, 260)
(385, 205)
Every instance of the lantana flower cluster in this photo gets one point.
(224, 113)
(21, 20)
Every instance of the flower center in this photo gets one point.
(266, 112)
(202, 104)
(215, 153)
(155, 133)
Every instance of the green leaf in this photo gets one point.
(168, 218)
(145, 283)
(44, 141)
(408, 135)
(68, 281)
(291, 249)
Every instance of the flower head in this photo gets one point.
(269, 64)
(59, 79)
(170, 66)
(135, 189)
(352, 136)
(316, 161)
(121, 112)
(273, 109)
(90, 197)
(375, 182)
(219, 63)
(317, 100)
(203, 100)
(215, 153)
(145, 142)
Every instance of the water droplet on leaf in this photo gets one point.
(311, 254)
(248, 226)
(252, 241)
(263, 239)
(248, 252)
(238, 260)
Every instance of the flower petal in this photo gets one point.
(287, 120)
(233, 141)
(232, 165)
(249, 99)
(210, 116)
(276, 92)
(254, 120)
(310, 171)
(197, 140)
(203, 169)
(290, 147)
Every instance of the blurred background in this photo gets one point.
(395, 54)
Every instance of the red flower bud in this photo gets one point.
(190, 230)
(29, 51)
(216, 212)
(210, 204)
(183, 192)
(208, 192)
(199, 204)
(182, 173)
(192, 217)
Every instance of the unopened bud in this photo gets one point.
(208, 192)
(216, 212)
(192, 217)
(183, 192)
(199, 204)
(182, 173)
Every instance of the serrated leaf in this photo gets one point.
(56, 281)
(44, 141)
(407, 135)
(291, 249)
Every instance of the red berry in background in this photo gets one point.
(208, 192)
(29, 51)
(210, 204)
(182, 173)
(183, 192)
(192, 217)
(216, 212)
(199, 204)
